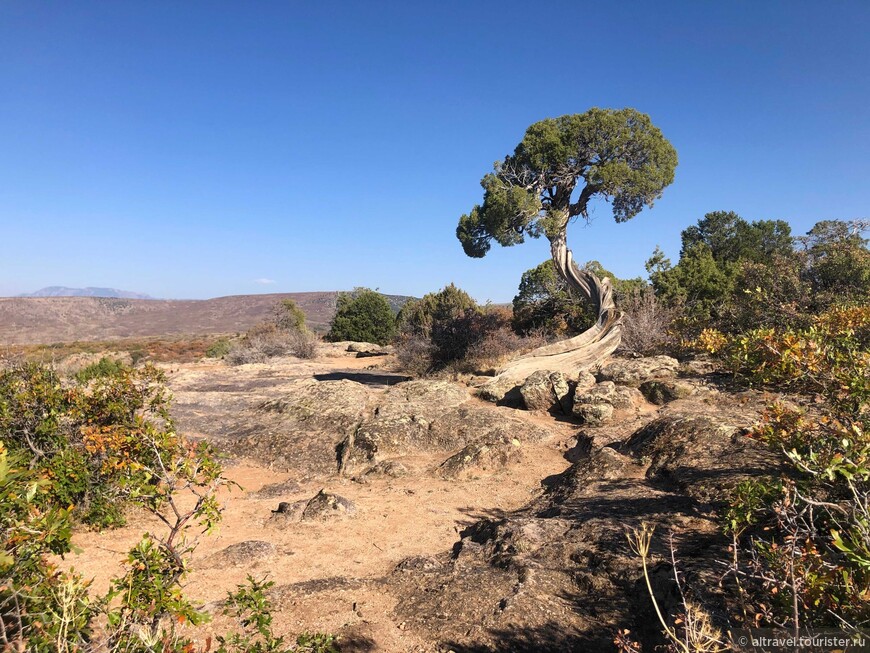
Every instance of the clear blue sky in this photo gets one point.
(189, 149)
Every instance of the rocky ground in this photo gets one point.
(431, 515)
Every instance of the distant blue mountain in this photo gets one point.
(62, 291)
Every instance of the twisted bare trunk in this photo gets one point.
(590, 347)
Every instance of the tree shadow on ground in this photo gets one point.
(549, 638)
(366, 378)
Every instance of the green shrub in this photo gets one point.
(803, 541)
(447, 329)
(422, 315)
(218, 349)
(545, 302)
(288, 316)
(249, 605)
(88, 450)
(363, 316)
(137, 355)
(102, 368)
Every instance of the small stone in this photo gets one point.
(328, 506)
(662, 392)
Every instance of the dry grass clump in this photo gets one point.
(646, 324)
(268, 340)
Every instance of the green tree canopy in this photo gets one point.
(363, 316)
(559, 166)
(735, 275)
(837, 265)
(289, 316)
(545, 301)
(419, 316)
(731, 238)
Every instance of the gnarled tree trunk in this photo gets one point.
(591, 346)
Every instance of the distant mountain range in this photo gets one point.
(51, 318)
(63, 291)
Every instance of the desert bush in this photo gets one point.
(445, 320)
(420, 316)
(267, 340)
(448, 330)
(801, 542)
(363, 316)
(137, 355)
(112, 437)
(647, 322)
(414, 353)
(91, 440)
(249, 605)
(288, 316)
(735, 276)
(102, 368)
(544, 303)
(87, 450)
(218, 349)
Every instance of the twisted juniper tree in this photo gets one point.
(557, 169)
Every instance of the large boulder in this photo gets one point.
(545, 391)
(451, 428)
(701, 455)
(473, 423)
(325, 506)
(635, 371)
(321, 404)
(594, 406)
(482, 459)
(404, 417)
(502, 390)
(301, 429)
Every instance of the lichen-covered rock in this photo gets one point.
(546, 390)
(300, 429)
(594, 414)
(453, 428)
(325, 505)
(585, 380)
(321, 403)
(697, 367)
(242, 553)
(388, 468)
(595, 405)
(662, 392)
(477, 460)
(702, 455)
(635, 371)
(627, 398)
(275, 490)
(473, 423)
(289, 511)
(501, 390)
(403, 417)
(364, 348)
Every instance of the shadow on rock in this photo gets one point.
(366, 378)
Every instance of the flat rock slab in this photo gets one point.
(243, 553)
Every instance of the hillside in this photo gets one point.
(42, 320)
